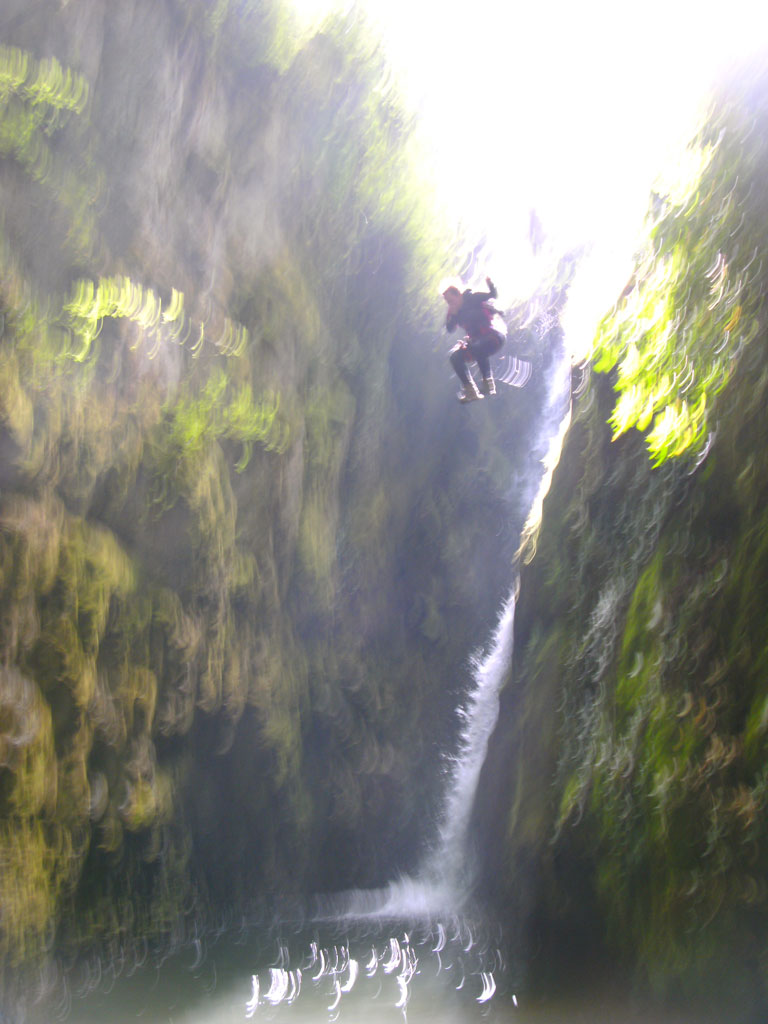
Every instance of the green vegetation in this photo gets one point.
(693, 305)
(244, 534)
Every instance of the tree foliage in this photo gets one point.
(695, 301)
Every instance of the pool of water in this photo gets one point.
(449, 971)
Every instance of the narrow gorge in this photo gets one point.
(258, 566)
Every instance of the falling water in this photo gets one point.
(450, 863)
(450, 859)
(442, 885)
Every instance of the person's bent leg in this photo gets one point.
(458, 358)
(482, 350)
(458, 361)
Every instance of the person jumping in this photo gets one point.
(473, 311)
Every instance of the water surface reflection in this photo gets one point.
(450, 971)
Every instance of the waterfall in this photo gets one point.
(443, 882)
(448, 864)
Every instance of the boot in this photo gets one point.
(488, 386)
(471, 393)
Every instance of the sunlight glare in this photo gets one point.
(571, 110)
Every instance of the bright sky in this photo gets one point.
(571, 107)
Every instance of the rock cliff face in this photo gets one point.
(631, 750)
(247, 538)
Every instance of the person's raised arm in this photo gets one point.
(490, 294)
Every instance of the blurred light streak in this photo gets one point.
(394, 956)
(250, 1007)
(337, 999)
(401, 959)
(402, 1002)
(322, 969)
(278, 985)
(489, 987)
(353, 969)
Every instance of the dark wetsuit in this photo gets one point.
(482, 340)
